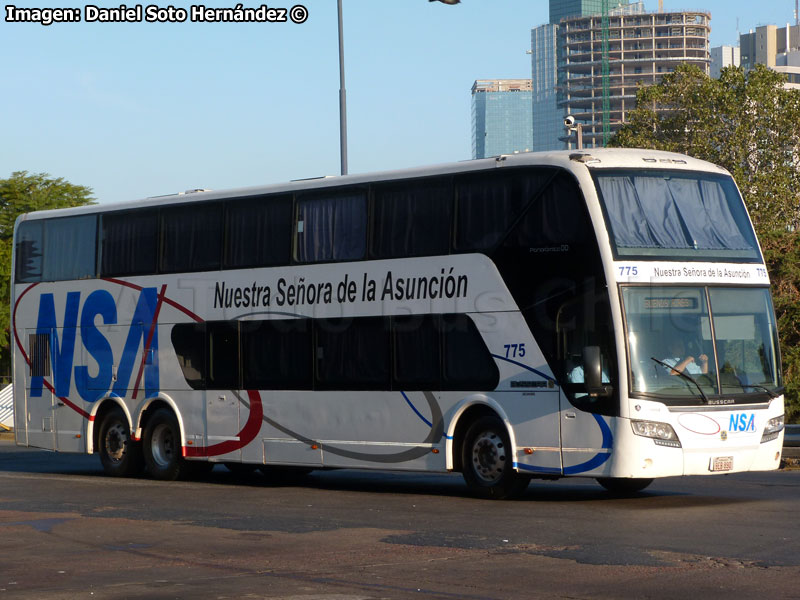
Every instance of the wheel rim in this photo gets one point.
(116, 441)
(162, 446)
(489, 457)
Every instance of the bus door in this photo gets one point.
(585, 433)
(39, 399)
(222, 406)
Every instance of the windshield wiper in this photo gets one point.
(769, 392)
(684, 375)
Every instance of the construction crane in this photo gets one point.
(606, 77)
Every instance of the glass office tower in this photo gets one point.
(501, 117)
(548, 118)
(561, 9)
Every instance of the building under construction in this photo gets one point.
(642, 48)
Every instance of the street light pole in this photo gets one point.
(342, 98)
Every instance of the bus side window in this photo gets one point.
(417, 353)
(277, 354)
(189, 342)
(411, 219)
(191, 237)
(128, 243)
(489, 204)
(258, 232)
(557, 217)
(69, 248)
(468, 365)
(30, 248)
(331, 227)
(352, 354)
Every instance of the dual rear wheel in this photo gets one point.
(159, 450)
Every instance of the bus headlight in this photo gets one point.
(773, 429)
(661, 433)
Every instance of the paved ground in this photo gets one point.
(67, 531)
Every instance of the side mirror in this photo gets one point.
(593, 373)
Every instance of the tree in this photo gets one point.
(748, 123)
(22, 193)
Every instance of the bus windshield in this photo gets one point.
(676, 214)
(723, 338)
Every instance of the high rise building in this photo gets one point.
(563, 9)
(642, 49)
(548, 116)
(724, 56)
(501, 117)
(778, 49)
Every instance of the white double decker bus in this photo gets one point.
(601, 314)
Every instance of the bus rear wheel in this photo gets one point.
(162, 446)
(622, 486)
(119, 454)
(487, 461)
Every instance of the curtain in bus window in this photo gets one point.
(69, 248)
(489, 204)
(722, 222)
(332, 228)
(413, 220)
(259, 232)
(276, 354)
(485, 207)
(626, 215)
(129, 243)
(417, 353)
(671, 212)
(557, 215)
(352, 353)
(191, 237)
(29, 252)
(662, 213)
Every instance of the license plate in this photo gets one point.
(721, 463)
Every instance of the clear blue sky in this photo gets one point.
(143, 109)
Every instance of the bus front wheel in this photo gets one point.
(162, 446)
(487, 461)
(119, 454)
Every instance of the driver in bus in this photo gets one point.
(684, 364)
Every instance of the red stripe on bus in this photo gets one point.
(246, 435)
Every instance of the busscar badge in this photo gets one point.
(723, 435)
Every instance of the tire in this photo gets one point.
(119, 454)
(488, 463)
(623, 486)
(162, 447)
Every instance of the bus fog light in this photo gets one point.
(773, 429)
(661, 433)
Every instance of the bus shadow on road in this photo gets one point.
(569, 490)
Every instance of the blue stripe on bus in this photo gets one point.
(524, 366)
(537, 469)
(594, 462)
(600, 457)
(414, 408)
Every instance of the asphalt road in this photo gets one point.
(68, 531)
